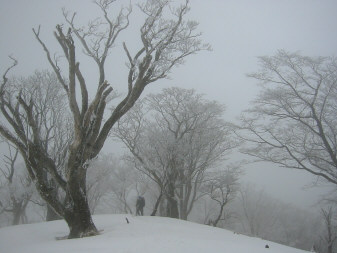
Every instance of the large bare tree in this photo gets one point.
(175, 142)
(292, 123)
(165, 42)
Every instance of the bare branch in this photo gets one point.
(292, 122)
(54, 66)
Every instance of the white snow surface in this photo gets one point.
(141, 235)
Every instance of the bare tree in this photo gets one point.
(222, 187)
(259, 212)
(182, 136)
(131, 130)
(165, 44)
(16, 191)
(125, 182)
(112, 184)
(261, 215)
(99, 177)
(330, 231)
(293, 121)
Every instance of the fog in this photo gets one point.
(238, 31)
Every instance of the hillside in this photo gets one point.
(142, 235)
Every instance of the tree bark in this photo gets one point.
(79, 217)
(80, 224)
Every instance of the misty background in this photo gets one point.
(238, 31)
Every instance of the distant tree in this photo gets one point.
(16, 189)
(175, 142)
(261, 215)
(125, 183)
(165, 43)
(99, 177)
(47, 103)
(329, 237)
(295, 227)
(113, 184)
(222, 187)
(130, 130)
(293, 123)
(110, 183)
(259, 212)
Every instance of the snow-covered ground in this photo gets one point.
(141, 235)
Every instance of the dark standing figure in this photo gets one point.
(140, 205)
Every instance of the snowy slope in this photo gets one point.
(142, 235)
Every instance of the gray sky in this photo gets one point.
(238, 30)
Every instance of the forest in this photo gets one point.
(75, 144)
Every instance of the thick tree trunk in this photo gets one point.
(80, 224)
(79, 219)
(78, 216)
(75, 210)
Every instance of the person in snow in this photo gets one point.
(140, 205)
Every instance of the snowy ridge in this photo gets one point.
(141, 235)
